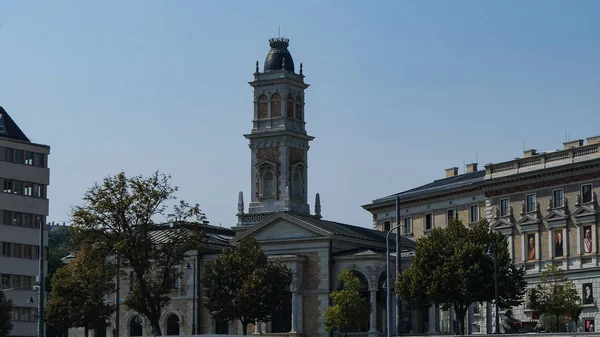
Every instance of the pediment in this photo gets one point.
(584, 214)
(555, 215)
(501, 223)
(528, 223)
(282, 227)
(266, 163)
(555, 219)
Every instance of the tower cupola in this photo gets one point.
(279, 57)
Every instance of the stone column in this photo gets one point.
(373, 325)
(257, 326)
(432, 320)
(294, 313)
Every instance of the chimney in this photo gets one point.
(451, 172)
(573, 143)
(529, 153)
(593, 140)
(472, 167)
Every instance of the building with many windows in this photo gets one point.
(24, 178)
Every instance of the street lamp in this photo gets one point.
(491, 252)
(191, 264)
(388, 280)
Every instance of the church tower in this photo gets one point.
(278, 140)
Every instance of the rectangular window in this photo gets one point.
(428, 221)
(27, 251)
(8, 154)
(36, 252)
(25, 312)
(8, 186)
(15, 281)
(28, 220)
(407, 225)
(39, 221)
(6, 249)
(558, 198)
(17, 250)
(504, 207)
(40, 160)
(18, 187)
(586, 193)
(473, 213)
(175, 278)
(38, 191)
(450, 214)
(17, 219)
(5, 281)
(19, 156)
(386, 226)
(7, 218)
(28, 189)
(29, 158)
(26, 282)
(530, 203)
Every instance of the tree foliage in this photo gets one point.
(349, 311)
(243, 285)
(555, 297)
(79, 290)
(6, 306)
(58, 248)
(451, 267)
(122, 213)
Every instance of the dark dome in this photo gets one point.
(277, 54)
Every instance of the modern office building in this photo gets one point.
(24, 179)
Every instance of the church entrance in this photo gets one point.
(282, 319)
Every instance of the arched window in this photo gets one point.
(135, 326)
(297, 185)
(173, 325)
(262, 107)
(290, 106)
(268, 184)
(298, 108)
(276, 105)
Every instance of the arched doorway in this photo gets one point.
(282, 319)
(172, 325)
(135, 326)
(363, 290)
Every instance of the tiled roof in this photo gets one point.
(437, 186)
(342, 229)
(212, 234)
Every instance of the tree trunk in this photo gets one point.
(86, 331)
(155, 328)
(244, 328)
(461, 312)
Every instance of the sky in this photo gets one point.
(400, 90)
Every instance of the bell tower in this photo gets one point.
(278, 140)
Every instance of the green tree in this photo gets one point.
(6, 307)
(79, 290)
(121, 213)
(555, 297)
(252, 289)
(349, 311)
(451, 267)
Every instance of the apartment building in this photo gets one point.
(24, 178)
(546, 204)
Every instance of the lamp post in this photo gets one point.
(191, 264)
(492, 252)
(388, 280)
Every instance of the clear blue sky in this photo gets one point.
(399, 90)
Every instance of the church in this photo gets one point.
(279, 217)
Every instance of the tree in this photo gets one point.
(6, 307)
(555, 297)
(79, 290)
(58, 248)
(349, 310)
(120, 213)
(451, 267)
(252, 289)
